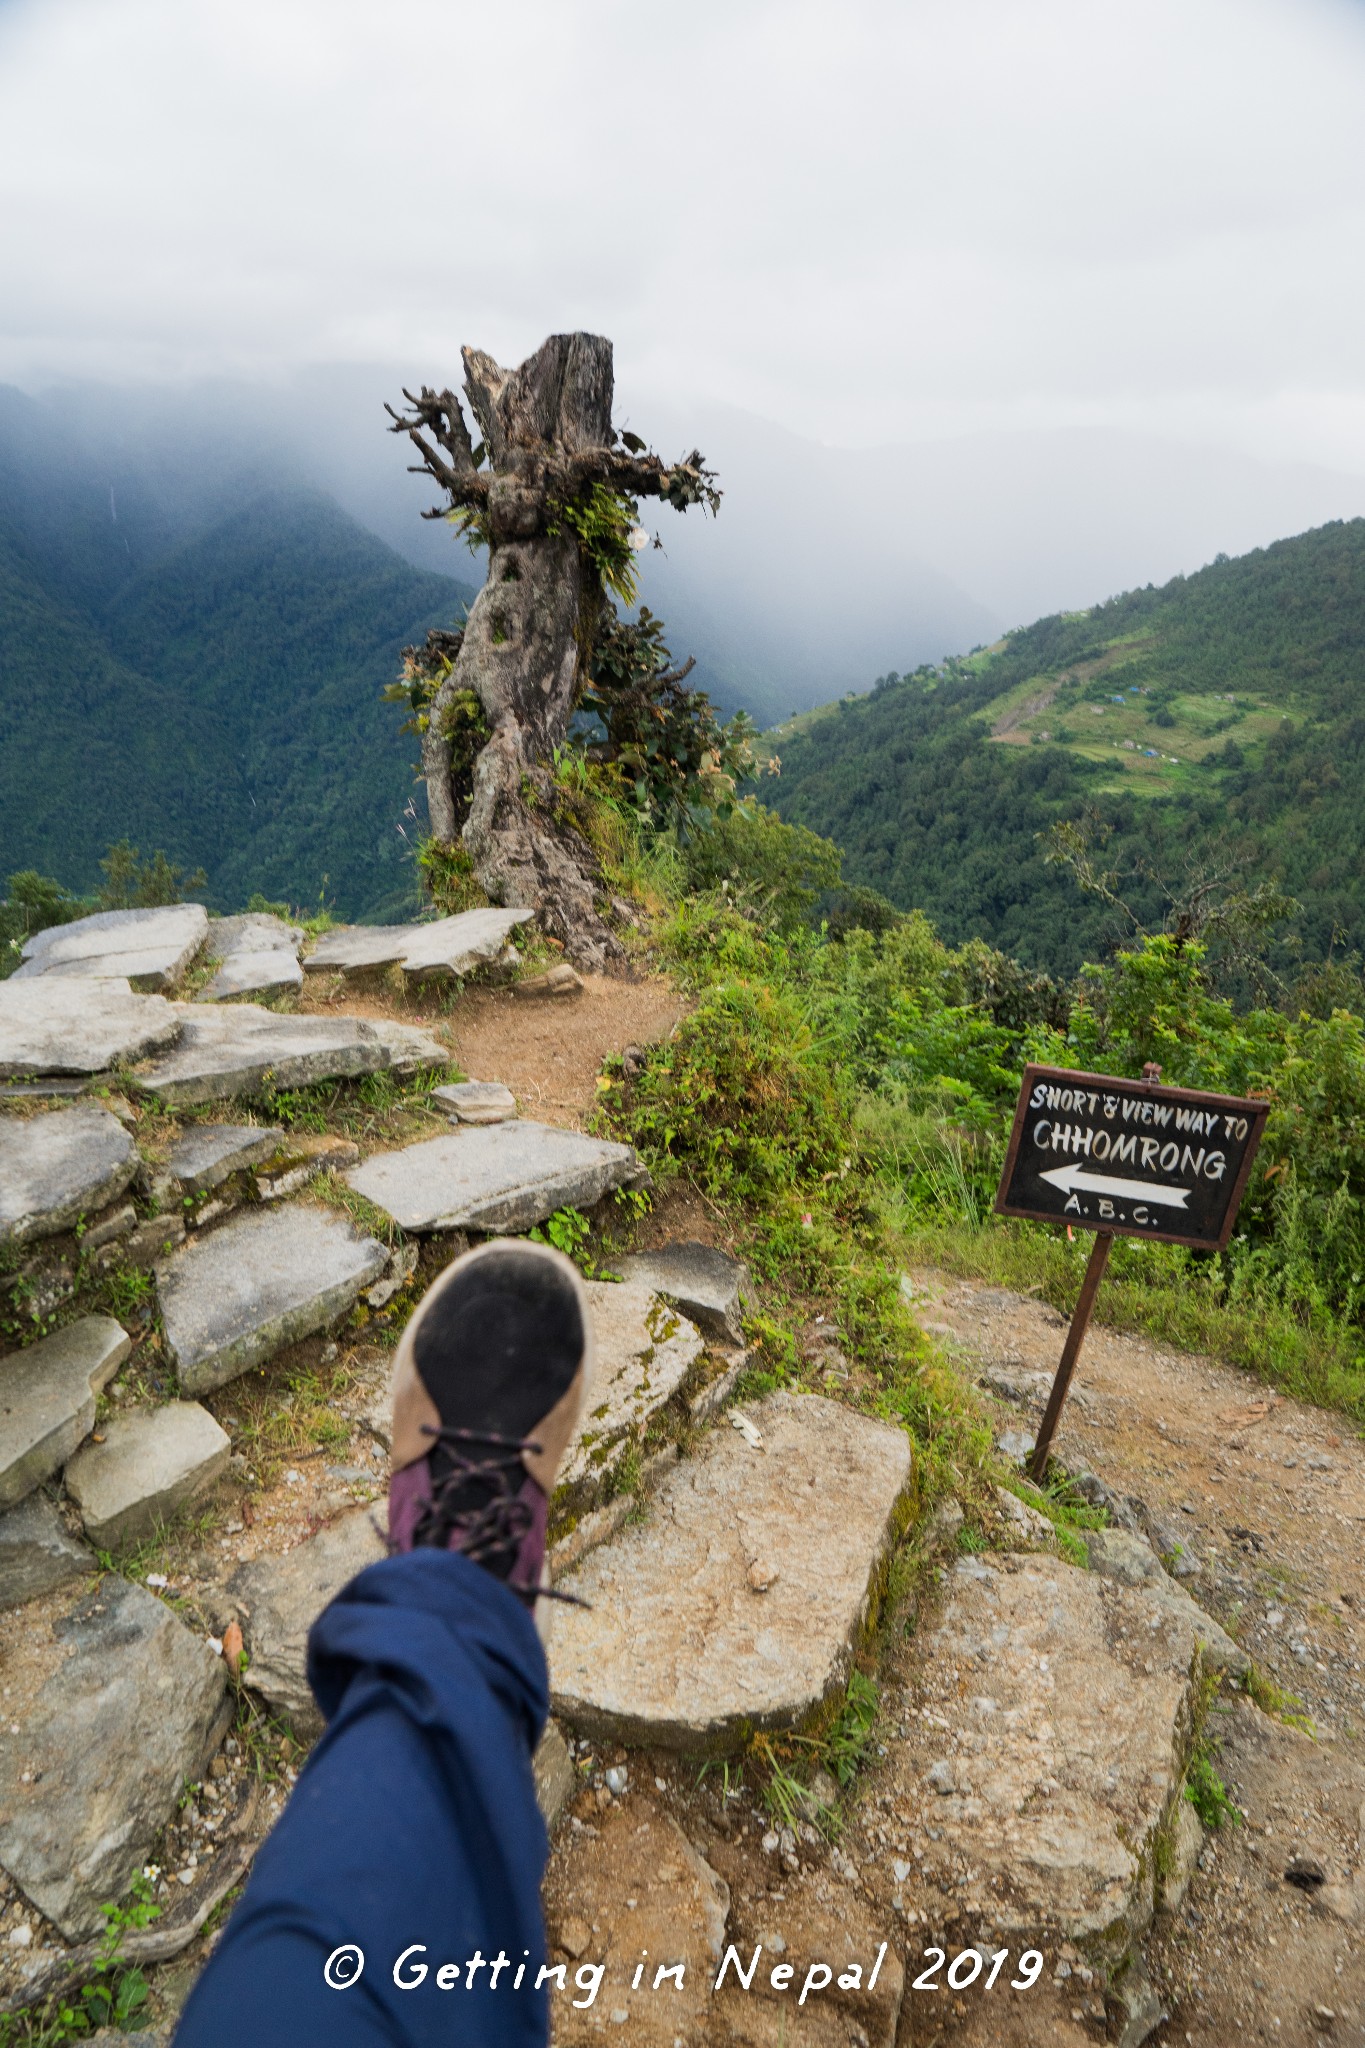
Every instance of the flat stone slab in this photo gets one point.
(253, 974)
(279, 1598)
(38, 1554)
(50, 1027)
(58, 1165)
(707, 1285)
(117, 1706)
(209, 1154)
(1047, 1752)
(503, 1177)
(255, 931)
(644, 1351)
(242, 1050)
(233, 1297)
(153, 1461)
(426, 952)
(150, 948)
(409, 1049)
(47, 1399)
(476, 1102)
(738, 1602)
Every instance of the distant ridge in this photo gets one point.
(210, 686)
(1240, 735)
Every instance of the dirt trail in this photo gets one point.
(1265, 1500)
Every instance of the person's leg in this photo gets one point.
(413, 1831)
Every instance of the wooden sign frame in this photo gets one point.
(1252, 1110)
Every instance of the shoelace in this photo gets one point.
(493, 1533)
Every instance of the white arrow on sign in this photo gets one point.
(1068, 1178)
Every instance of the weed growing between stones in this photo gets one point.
(114, 1993)
(1272, 1699)
(1207, 1793)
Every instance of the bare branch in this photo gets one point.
(450, 463)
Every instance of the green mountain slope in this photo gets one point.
(1222, 716)
(221, 700)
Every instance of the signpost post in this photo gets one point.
(1124, 1159)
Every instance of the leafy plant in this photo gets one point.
(1208, 1795)
(570, 1232)
(668, 753)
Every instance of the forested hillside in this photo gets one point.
(1216, 722)
(206, 685)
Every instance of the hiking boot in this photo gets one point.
(488, 1382)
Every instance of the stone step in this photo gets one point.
(232, 1298)
(440, 951)
(274, 973)
(277, 1600)
(209, 1154)
(38, 1554)
(503, 1176)
(117, 1705)
(257, 954)
(56, 1166)
(738, 1602)
(241, 1050)
(55, 1027)
(708, 1285)
(150, 948)
(644, 1353)
(47, 1400)
(152, 1463)
(1045, 1755)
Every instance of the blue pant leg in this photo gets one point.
(413, 1830)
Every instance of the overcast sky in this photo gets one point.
(887, 220)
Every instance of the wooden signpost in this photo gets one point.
(1123, 1158)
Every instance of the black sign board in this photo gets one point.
(1131, 1158)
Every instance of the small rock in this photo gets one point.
(559, 982)
(709, 1286)
(107, 1229)
(573, 1936)
(152, 1239)
(554, 1775)
(1028, 1522)
(300, 1160)
(1140, 2011)
(476, 1102)
(941, 1530)
(397, 1274)
(617, 1778)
